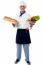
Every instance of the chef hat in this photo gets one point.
(22, 3)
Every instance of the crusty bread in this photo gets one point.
(9, 19)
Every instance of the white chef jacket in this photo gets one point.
(22, 20)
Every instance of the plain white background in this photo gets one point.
(8, 33)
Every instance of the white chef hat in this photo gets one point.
(22, 3)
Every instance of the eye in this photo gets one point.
(21, 6)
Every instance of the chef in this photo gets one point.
(23, 35)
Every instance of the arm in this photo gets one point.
(31, 21)
(13, 21)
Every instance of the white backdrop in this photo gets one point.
(8, 33)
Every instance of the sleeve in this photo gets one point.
(30, 22)
(16, 18)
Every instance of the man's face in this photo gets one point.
(22, 8)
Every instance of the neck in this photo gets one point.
(22, 11)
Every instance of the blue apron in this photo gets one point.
(23, 36)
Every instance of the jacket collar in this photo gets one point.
(21, 13)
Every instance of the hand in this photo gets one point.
(13, 24)
(31, 26)
(27, 28)
(29, 19)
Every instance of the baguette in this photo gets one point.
(9, 19)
